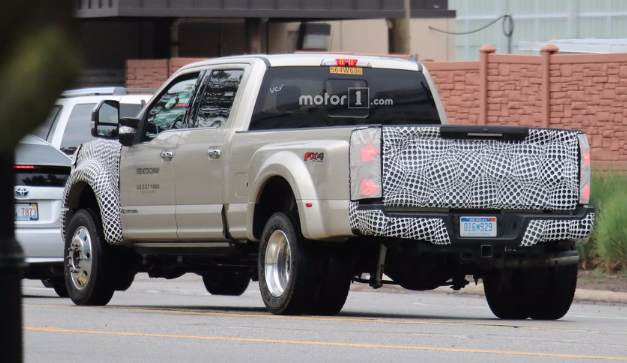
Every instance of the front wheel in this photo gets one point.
(286, 267)
(88, 270)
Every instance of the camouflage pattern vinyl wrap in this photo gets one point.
(422, 170)
(98, 165)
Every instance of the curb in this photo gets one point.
(580, 294)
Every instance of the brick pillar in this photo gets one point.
(547, 51)
(485, 50)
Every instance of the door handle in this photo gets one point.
(167, 154)
(214, 152)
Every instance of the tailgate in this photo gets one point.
(480, 167)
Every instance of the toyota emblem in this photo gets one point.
(21, 192)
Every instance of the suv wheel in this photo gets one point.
(59, 286)
(286, 267)
(87, 262)
(226, 283)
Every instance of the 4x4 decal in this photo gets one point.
(314, 156)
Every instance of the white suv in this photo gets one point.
(41, 172)
(67, 126)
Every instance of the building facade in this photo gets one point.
(116, 30)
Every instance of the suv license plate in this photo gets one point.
(477, 226)
(26, 212)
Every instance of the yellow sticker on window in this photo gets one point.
(347, 70)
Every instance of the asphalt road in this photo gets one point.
(178, 321)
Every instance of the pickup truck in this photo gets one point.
(310, 172)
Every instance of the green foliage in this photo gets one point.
(608, 244)
(611, 232)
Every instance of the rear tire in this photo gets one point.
(335, 281)
(558, 293)
(287, 266)
(226, 283)
(89, 275)
(513, 294)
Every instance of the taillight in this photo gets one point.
(24, 167)
(365, 163)
(368, 188)
(584, 169)
(345, 62)
(369, 152)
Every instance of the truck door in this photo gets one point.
(147, 175)
(202, 157)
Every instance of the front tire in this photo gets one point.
(88, 270)
(226, 283)
(286, 267)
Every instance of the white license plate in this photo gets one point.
(26, 212)
(477, 226)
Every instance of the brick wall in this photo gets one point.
(458, 85)
(592, 96)
(514, 94)
(154, 72)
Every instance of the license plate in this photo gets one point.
(26, 212)
(477, 226)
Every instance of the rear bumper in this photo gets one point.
(41, 245)
(514, 228)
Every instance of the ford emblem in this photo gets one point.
(21, 192)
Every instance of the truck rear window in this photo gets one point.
(304, 97)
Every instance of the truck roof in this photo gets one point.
(312, 59)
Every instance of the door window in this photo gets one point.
(168, 112)
(219, 94)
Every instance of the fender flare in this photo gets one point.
(275, 166)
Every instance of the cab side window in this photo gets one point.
(170, 109)
(215, 104)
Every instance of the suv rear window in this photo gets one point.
(303, 97)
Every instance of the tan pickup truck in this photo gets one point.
(311, 172)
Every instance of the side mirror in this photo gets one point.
(104, 120)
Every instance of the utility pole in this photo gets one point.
(253, 35)
(398, 32)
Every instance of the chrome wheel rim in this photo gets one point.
(80, 258)
(278, 263)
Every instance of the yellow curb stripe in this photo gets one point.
(318, 343)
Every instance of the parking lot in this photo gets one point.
(165, 321)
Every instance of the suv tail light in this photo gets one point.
(365, 163)
(584, 169)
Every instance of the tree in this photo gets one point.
(38, 61)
